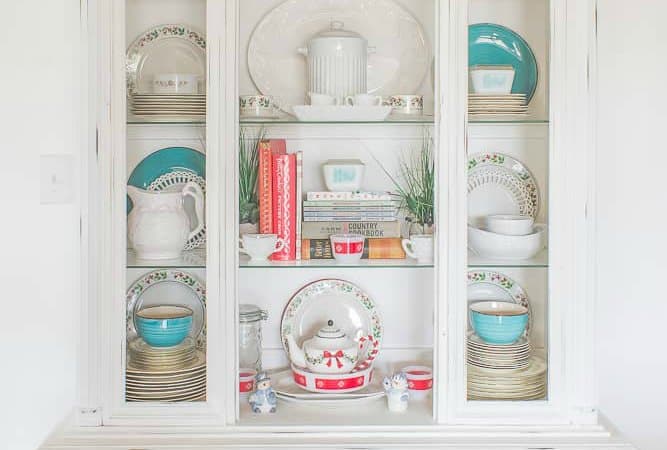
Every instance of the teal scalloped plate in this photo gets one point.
(492, 44)
(164, 161)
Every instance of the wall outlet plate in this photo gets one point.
(56, 179)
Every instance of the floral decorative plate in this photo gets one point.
(499, 184)
(492, 44)
(484, 285)
(351, 309)
(168, 287)
(169, 48)
(169, 169)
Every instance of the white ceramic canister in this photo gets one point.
(337, 62)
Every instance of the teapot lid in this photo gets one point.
(336, 31)
(330, 331)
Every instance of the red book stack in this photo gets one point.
(267, 149)
(284, 205)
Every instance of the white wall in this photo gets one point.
(632, 262)
(38, 268)
(38, 250)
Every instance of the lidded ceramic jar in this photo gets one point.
(250, 336)
(337, 62)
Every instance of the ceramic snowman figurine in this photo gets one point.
(263, 400)
(396, 388)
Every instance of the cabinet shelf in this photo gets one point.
(244, 263)
(195, 258)
(283, 120)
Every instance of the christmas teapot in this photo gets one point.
(331, 351)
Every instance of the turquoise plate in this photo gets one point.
(165, 161)
(492, 44)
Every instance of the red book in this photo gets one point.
(264, 182)
(284, 205)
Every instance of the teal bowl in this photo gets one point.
(164, 326)
(499, 322)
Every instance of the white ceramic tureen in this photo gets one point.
(337, 62)
(329, 351)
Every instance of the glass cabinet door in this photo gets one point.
(166, 176)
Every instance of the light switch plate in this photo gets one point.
(56, 179)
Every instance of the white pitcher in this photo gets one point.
(158, 226)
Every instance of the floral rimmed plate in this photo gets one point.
(484, 285)
(168, 287)
(499, 184)
(351, 309)
(169, 48)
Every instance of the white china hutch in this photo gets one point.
(424, 307)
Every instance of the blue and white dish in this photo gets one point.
(499, 322)
(164, 325)
(490, 44)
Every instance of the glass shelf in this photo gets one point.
(244, 263)
(195, 258)
(539, 260)
(286, 119)
(507, 120)
(134, 121)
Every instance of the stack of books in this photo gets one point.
(372, 214)
(279, 196)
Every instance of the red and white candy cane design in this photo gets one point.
(373, 348)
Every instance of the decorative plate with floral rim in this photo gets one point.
(351, 309)
(485, 285)
(169, 48)
(500, 184)
(168, 287)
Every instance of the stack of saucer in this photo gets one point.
(529, 383)
(480, 105)
(492, 356)
(168, 106)
(175, 373)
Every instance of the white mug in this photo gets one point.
(260, 246)
(419, 247)
(322, 99)
(363, 100)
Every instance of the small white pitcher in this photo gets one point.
(158, 226)
(419, 247)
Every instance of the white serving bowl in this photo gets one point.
(500, 246)
(492, 80)
(343, 175)
(510, 224)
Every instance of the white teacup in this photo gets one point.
(363, 100)
(322, 99)
(260, 246)
(419, 247)
(258, 106)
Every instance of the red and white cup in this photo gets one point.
(420, 380)
(347, 248)
(246, 381)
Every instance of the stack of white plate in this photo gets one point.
(497, 105)
(492, 356)
(529, 383)
(168, 106)
(165, 374)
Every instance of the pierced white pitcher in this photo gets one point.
(158, 226)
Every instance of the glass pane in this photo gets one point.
(508, 174)
(166, 186)
(343, 137)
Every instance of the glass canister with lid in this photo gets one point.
(250, 336)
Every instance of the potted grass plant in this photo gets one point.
(248, 172)
(414, 185)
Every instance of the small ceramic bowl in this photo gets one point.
(164, 326)
(509, 224)
(343, 175)
(347, 248)
(420, 380)
(246, 381)
(492, 80)
(499, 322)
